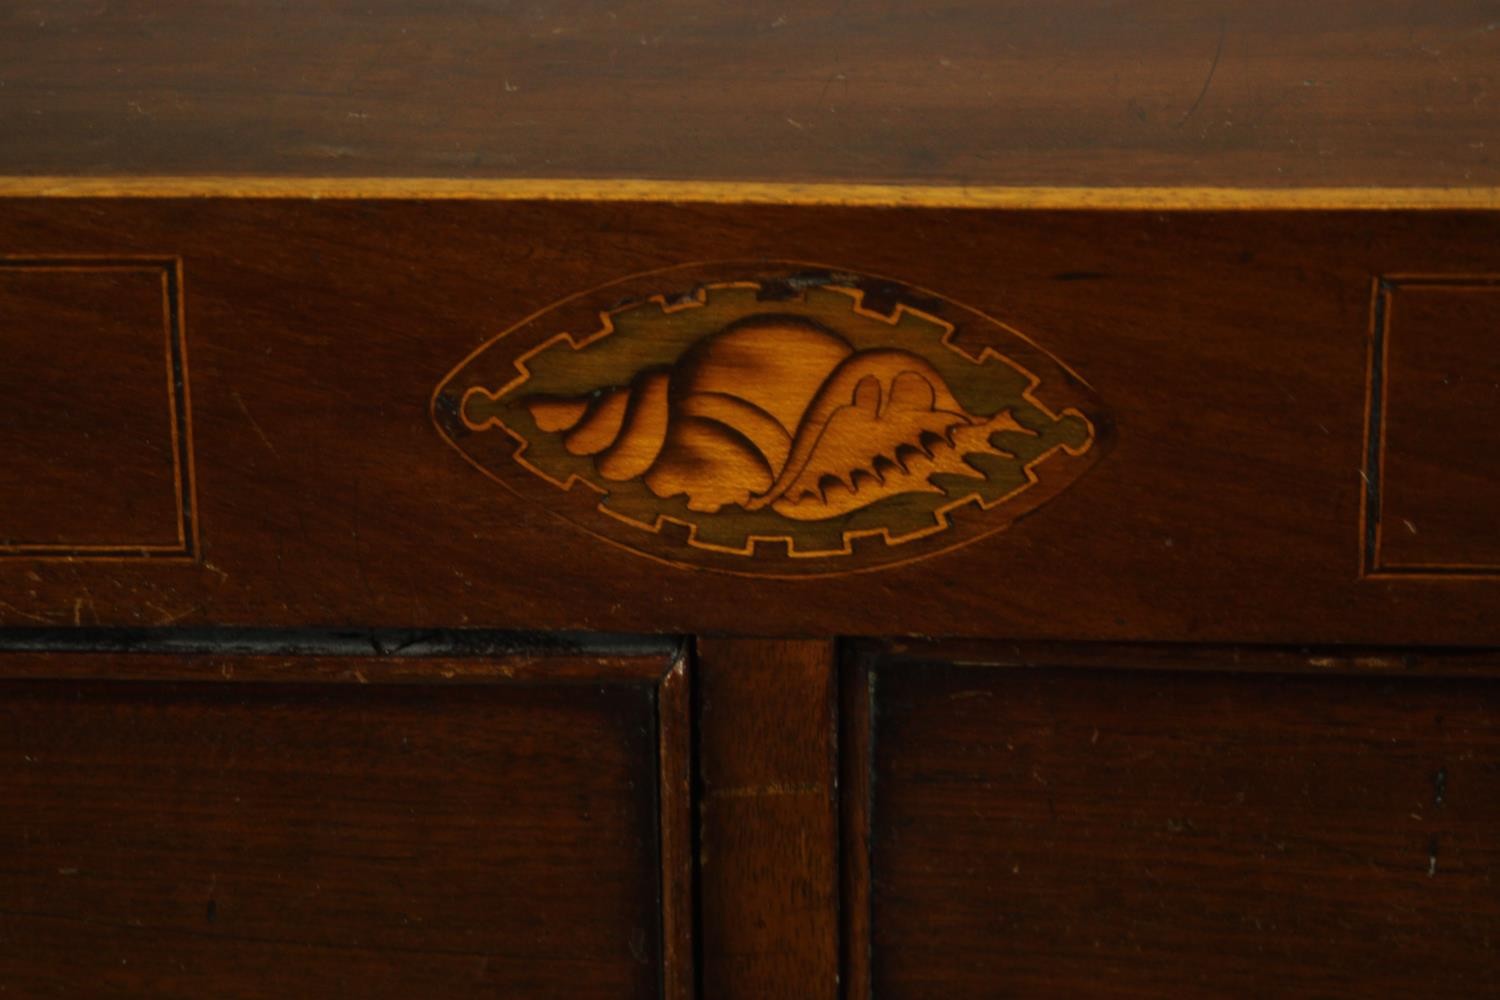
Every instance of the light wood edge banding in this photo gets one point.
(759, 193)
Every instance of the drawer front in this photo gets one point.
(1233, 425)
(1100, 831)
(251, 826)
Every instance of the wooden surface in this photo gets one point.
(236, 837)
(124, 447)
(856, 801)
(676, 764)
(767, 815)
(1326, 660)
(1089, 832)
(256, 262)
(779, 420)
(1231, 350)
(1077, 93)
(1437, 509)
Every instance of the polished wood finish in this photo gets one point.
(1068, 832)
(241, 837)
(1231, 349)
(767, 818)
(1268, 94)
(327, 588)
(1434, 499)
(675, 762)
(860, 194)
(98, 464)
(856, 800)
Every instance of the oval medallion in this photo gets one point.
(772, 418)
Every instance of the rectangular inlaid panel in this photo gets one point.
(1059, 425)
(93, 409)
(262, 840)
(1078, 832)
(1433, 504)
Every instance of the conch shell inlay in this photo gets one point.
(783, 417)
(777, 411)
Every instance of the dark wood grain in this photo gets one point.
(856, 799)
(1259, 93)
(768, 839)
(91, 381)
(422, 838)
(1230, 348)
(675, 757)
(260, 736)
(1436, 493)
(1336, 661)
(1072, 832)
(577, 669)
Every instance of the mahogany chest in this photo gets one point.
(665, 499)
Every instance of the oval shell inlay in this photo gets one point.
(772, 419)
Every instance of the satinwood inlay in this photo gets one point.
(772, 419)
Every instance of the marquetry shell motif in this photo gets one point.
(772, 421)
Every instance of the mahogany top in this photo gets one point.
(1269, 93)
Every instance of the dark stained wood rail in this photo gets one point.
(768, 838)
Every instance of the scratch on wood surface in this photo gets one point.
(25, 614)
(1359, 662)
(1209, 79)
(79, 603)
(240, 402)
(171, 617)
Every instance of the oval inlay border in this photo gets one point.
(772, 418)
